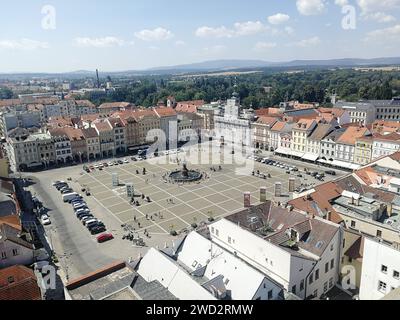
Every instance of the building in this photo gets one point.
(118, 281)
(77, 143)
(328, 146)
(62, 146)
(202, 267)
(381, 269)
(233, 127)
(14, 247)
(362, 113)
(384, 145)
(313, 141)
(27, 151)
(209, 111)
(109, 108)
(387, 109)
(276, 131)
(189, 106)
(168, 124)
(19, 283)
(346, 145)
(119, 135)
(363, 150)
(262, 131)
(190, 126)
(300, 252)
(106, 135)
(92, 143)
(301, 131)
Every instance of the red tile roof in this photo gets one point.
(19, 283)
(352, 134)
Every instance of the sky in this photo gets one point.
(64, 36)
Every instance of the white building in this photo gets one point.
(231, 126)
(385, 145)
(14, 250)
(300, 253)
(380, 270)
(200, 269)
(360, 112)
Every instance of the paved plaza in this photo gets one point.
(177, 207)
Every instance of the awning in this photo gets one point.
(310, 157)
(283, 151)
(297, 154)
(345, 165)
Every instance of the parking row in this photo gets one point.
(82, 212)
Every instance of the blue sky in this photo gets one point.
(138, 34)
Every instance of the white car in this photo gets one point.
(110, 164)
(126, 160)
(45, 220)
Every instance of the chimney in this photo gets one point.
(389, 210)
(358, 201)
(329, 216)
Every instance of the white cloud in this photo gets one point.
(103, 42)
(380, 17)
(23, 44)
(341, 3)
(209, 32)
(263, 46)
(306, 42)
(310, 7)
(239, 29)
(157, 34)
(248, 28)
(391, 34)
(180, 43)
(278, 18)
(377, 5)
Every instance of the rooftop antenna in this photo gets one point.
(98, 79)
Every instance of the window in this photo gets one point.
(4, 255)
(396, 274)
(311, 279)
(270, 294)
(326, 267)
(379, 233)
(294, 289)
(317, 274)
(316, 293)
(325, 287)
(382, 286)
(332, 263)
(217, 232)
(384, 269)
(332, 247)
(353, 224)
(15, 252)
(330, 283)
(229, 240)
(302, 285)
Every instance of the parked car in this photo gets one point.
(126, 160)
(45, 220)
(69, 196)
(98, 230)
(104, 237)
(110, 164)
(331, 172)
(120, 162)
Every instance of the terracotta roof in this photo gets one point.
(9, 102)
(102, 126)
(311, 231)
(165, 112)
(304, 124)
(112, 105)
(13, 221)
(189, 106)
(19, 283)
(318, 203)
(73, 134)
(269, 121)
(90, 117)
(90, 133)
(116, 122)
(84, 103)
(278, 126)
(352, 134)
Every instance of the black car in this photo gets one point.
(120, 162)
(60, 186)
(97, 230)
(94, 225)
(330, 172)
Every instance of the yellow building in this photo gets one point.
(363, 150)
(4, 166)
